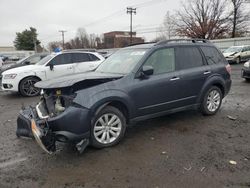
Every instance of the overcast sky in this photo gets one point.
(96, 16)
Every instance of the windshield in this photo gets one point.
(45, 60)
(122, 61)
(233, 49)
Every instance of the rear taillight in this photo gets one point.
(228, 67)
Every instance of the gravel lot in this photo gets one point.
(180, 150)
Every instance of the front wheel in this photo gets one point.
(108, 127)
(27, 87)
(211, 101)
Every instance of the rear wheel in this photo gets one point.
(108, 127)
(211, 101)
(27, 87)
(247, 79)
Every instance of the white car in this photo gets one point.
(22, 79)
(237, 54)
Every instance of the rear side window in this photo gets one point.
(188, 57)
(212, 55)
(62, 59)
(162, 60)
(93, 57)
(80, 57)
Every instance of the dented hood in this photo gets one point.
(67, 81)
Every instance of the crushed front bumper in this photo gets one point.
(72, 126)
(28, 125)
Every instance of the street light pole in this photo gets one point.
(63, 31)
(131, 11)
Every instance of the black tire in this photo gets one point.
(247, 79)
(238, 60)
(26, 87)
(108, 110)
(205, 109)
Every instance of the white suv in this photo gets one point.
(22, 79)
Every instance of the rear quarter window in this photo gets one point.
(212, 55)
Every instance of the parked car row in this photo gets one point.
(133, 84)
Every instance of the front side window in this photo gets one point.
(212, 55)
(162, 60)
(188, 57)
(62, 59)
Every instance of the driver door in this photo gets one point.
(62, 66)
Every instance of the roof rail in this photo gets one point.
(182, 41)
(134, 44)
(81, 50)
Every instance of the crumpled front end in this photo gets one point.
(29, 125)
(55, 118)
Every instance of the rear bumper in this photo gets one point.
(245, 73)
(73, 125)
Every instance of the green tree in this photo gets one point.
(26, 40)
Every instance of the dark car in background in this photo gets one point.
(245, 73)
(134, 84)
(30, 60)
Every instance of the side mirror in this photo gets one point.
(27, 62)
(51, 66)
(146, 71)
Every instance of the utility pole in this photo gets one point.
(63, 31)
(131, 11)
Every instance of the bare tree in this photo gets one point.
(202, 19)
(83, 37)
(239, 18)
(168, 29)
(54, 45)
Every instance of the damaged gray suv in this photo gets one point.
(136, 83)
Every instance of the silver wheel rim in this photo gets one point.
(213, 100)
(107, 128)
(28, 87)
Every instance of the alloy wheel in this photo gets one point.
(107, 128)
(28, 87)
(213, 100)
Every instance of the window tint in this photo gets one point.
(212, 55)
(93, 57)
(162, 61)
(188, 57)
(62, 59)
(80, 57)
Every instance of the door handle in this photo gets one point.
(174, 79)
(207, 72)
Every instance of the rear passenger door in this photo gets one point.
(84, 62)
(193, 72)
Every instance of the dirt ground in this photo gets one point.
(180, 150)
